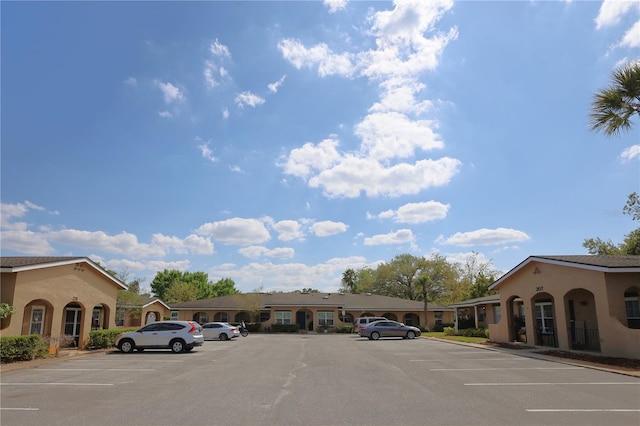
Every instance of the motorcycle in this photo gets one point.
(243, 329)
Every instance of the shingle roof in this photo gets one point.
(14, 262)
(605, 263)
(477, 301)
(347, 301)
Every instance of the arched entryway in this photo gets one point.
(582, 320)
(304, 319)
(242, 316)
(73, 318)
(37, 318)
(546, 330)
(100, 317)
(390, 316)
(517, 320)
(152, 316)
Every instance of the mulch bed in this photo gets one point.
(633, 364)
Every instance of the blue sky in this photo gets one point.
(280, 143)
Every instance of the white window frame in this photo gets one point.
(438, 317)
(175, 315)
(40, 325)
(283, 317)
(540, 315)
(632, 308)
(325, 318)
(77, 320)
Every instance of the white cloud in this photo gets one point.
(170, 92)
(288, 230)
(353, 175)
(219, 50)
(131, 81)
(388, 135)
(273, 87)
(324, 276)
(165, 114)
(335, 5)
(192, 244)
(417, 212)
(254, 252)
(400, 236)
(611, 11)
(484, 237)
(311, 158)
(237, 231)
(391, 131)
(225, 114)
(249, 98)
(206, 151)
(632, 37)
(630, 153)
(23, 241)
(327, 228)
(320, 55)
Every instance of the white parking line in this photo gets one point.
(467, 359)
(96, 369)
(581, 410)
(120, 361)
(19, 409)
(507, 368)
(56, 384)
(552, 384)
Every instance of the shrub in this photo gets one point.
(100, 339)
(449, 331)
(467, 332)
(344, 329)
(284, 328)
(22, 348)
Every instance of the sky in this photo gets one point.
(280, 143)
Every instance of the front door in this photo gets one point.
(72, 323)
(301, 320)
(545, 324)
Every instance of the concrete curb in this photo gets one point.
(529, 353)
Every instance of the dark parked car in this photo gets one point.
(388, 328)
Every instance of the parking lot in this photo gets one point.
(317, 380)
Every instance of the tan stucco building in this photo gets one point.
(311, 311)
(572, 303)
(61, 298)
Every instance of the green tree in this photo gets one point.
(181, 291)
(613, 106)
(224, 287)
(349, 278)
(6, 310)
(397, 278)
(599, 247)
(631, 243)
(431, 283)
(163, 280)
(632, 208)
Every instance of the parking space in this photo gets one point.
(317, 379)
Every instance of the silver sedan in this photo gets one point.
(219, 331)
(378, 329)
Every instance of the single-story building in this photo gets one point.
(477, 313)
(149, 309)
(572, 303)
(61, 298)
(311, 311)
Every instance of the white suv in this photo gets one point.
(364, 321)
(179, 336)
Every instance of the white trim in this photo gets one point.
(158, 301)
(44, 311)
(566, 263)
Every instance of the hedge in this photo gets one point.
(22, 348)
(101, 339)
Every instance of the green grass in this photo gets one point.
(464, 339)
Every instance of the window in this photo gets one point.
(283, 317)
(497, 314)
(325, 318)
(632, 306)
(37, 320)
(174, 315)
(201, 317)
(221, 317)
(544, 317)
(120, 313)
(438, 317)
(265, 316)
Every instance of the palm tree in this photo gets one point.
(614, 106)
(349, 280)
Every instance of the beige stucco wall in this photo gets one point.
(447, 316)
(56, 287)
(598, 300)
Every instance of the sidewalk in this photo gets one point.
(533, 353)
(62, 355)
